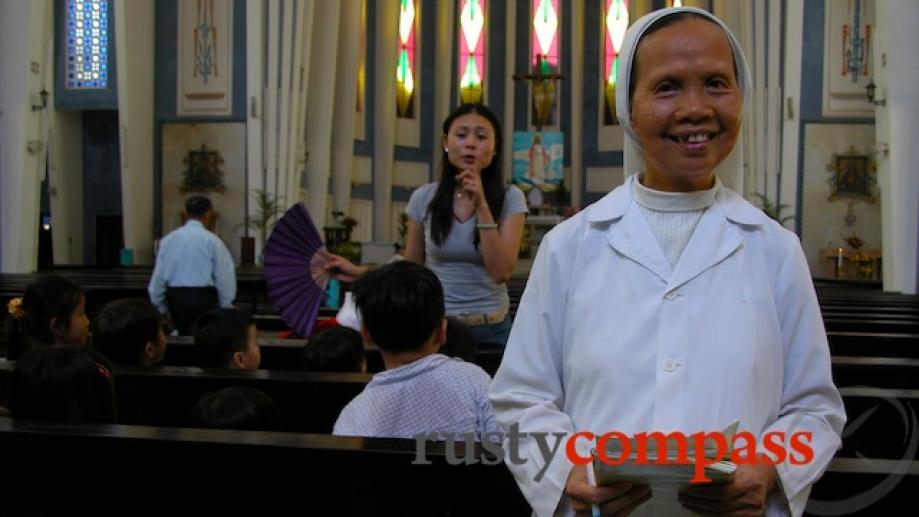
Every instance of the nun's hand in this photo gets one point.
(618, 499)
(744, 496)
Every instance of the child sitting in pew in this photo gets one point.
(421, 391)
(335, 349)
(62, 384)
(227, 338)
(51, 311)
(130, 331)
(246, 409)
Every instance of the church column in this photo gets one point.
(510, 46)
(345, 97)
(22, 153)
(577, 102)
(255, 88)
(443, 77)
(384, 98)
(134, 36)
(897, 124)
(322, 98)
(299, 93)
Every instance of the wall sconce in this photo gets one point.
(44, 101)
(870, 89)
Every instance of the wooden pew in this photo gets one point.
(284, 355)
(111, 470)
(874, 344)
(137, 470)
(309, 401)
(873, 325)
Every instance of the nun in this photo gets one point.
(671, 305)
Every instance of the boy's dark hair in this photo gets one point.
(197, 207)
(336, 349)
(460, 341)
(221, 333)
(123, 329)
(246, 409)
(63, 383)
(45, 298)
(401, 304)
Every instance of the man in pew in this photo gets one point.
(421, 391)
(227, 338)
(194, 272)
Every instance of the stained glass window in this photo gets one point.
(87, 44)
(544, 60)
(616, 21)
(405, 66)
(545, 35)
(471, 50)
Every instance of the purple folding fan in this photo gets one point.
(294, 272)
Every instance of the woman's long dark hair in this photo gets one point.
(441, 207)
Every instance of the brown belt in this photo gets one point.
(474, 320)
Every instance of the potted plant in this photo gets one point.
(771, 209)
(265, 211)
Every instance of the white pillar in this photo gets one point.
(443, 77)
(897, 125)
(387, 25)
(577, 102)
(510, 46)
(279, 145)
(791, 118)
(296, 147)
(345, 96)
(270, 107)
(321, 99)
(255, 105)
(23, 36)
(134, 25)
(65, 185)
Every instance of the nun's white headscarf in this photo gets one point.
(730, 170)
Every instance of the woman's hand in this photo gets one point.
(746, 495)
(618, 499)
(469, 181)
(343, 269)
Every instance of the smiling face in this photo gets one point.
(686, 104)
(470, 142)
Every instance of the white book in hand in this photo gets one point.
(667, 471)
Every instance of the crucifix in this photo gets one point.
(542, 80)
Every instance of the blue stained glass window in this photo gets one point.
(87, 45)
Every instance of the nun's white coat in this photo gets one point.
(609, 337)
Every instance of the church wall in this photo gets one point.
(175, 135)
(820, 222)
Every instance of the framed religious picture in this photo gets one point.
(538, 159)
(852, 176)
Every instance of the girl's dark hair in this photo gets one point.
(246, 409)
(123, 329)
(660, 23)
(45, 298)
(63, 383)
(441, 206)
(336, 349)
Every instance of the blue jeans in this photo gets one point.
(493, 335)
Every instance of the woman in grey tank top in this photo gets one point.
(466, 227)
